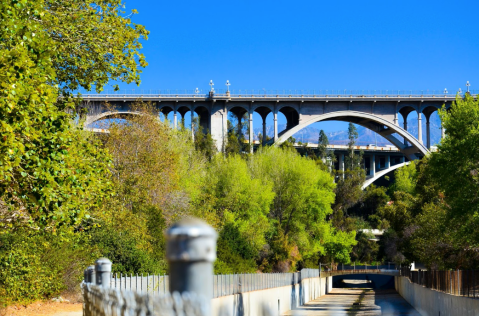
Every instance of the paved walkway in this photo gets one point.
(341, 301)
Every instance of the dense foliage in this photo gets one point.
(53, 176)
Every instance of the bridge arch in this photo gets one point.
(381, 173)
(204, 118)
(109, 115)
(377, 124)
(291, 114)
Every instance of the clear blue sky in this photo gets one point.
(368, 45)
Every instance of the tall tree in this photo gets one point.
(51, 175)
(348, 189)
(352, 160)
(323, 143)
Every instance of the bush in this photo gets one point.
(122, 249)
(36, 266)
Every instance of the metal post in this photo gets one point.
(85, 275)
(103, 272)
(458, 284)
(191, 251)
(91, 277)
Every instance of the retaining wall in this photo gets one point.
(433, 303)
(281, 299)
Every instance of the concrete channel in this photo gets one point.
(357, 297)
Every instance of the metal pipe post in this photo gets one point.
(91, 277)
(191, 251)
(103, 272)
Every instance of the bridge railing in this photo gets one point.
(223, 284)
(261, 93)
(454, 282)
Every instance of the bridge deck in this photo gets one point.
(340, 302)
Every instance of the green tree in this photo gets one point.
(456, 163)
(349, 182)
(241, 205)
(90, 42)
(237, 127)
(303, 197)
(352, 161)
(325, 154)
(51, 174)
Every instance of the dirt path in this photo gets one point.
(44, 309)
(343, 301)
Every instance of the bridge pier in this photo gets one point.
(428, 134)
(175, 120)
(275, 126)
(251, 134)
(405, 128)
(264, 129)
(372, 165)
(419, 127)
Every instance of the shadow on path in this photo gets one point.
(341, 302)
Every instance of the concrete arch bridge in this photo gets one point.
(378, 112)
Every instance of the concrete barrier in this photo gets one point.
(433, 303)
(281, 299)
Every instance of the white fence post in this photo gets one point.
(191, 251)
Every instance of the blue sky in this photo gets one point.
(370, 45)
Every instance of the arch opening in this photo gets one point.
(260, 124)
(379, 125)
(203, 118)
(291, 115)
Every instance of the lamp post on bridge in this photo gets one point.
(212, 90)
(468, 85)
(227, 87)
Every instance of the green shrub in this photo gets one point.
(37, 266)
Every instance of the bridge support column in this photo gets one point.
(264, 129)
(428, 134)
(419, 127)
(175, 120)
(251, 135)
(372, 165)
(192, 124)
(388, 161)
(405, 128)
(275, 126)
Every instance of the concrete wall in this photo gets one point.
(433, 303)
(281, 299)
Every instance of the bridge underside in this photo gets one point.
(381, 126)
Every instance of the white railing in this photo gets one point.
(223, 284)
(153, 93)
